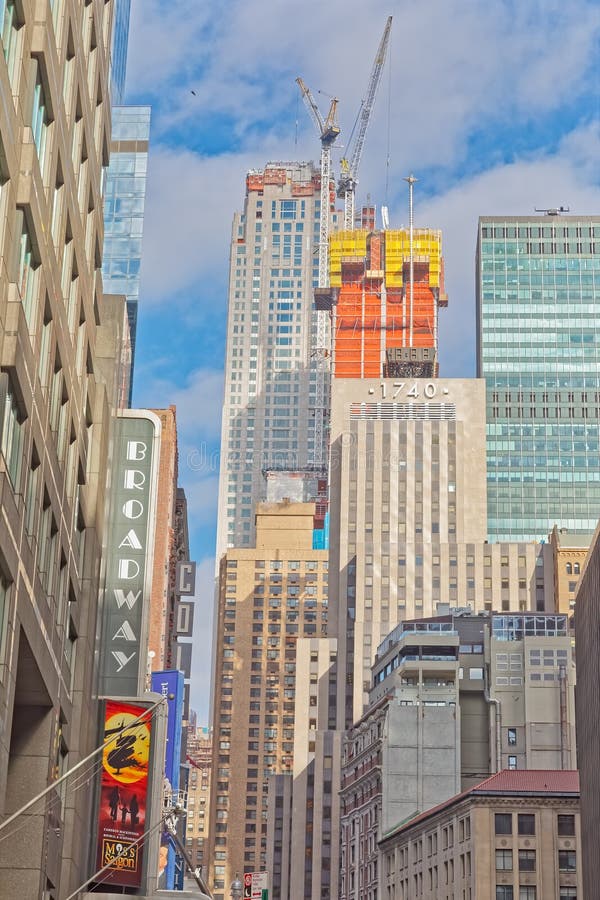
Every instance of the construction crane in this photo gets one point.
(351, 162)
(328, 130)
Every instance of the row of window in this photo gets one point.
(526, 860)
(526, 824)
(529, 892)
(541, 231)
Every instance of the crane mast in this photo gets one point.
(328, 130)
(351, 163)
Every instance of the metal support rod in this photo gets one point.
(411, 181)
(195, 872)
(80, 764)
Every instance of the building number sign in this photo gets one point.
(406, 390)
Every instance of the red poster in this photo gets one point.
(123, 795)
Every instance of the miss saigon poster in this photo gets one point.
(123, 794)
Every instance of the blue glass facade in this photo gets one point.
(538, 336)
(119, 50)
(124, 198)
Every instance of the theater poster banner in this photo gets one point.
(128, 553)
(170, 684)
(123, 794)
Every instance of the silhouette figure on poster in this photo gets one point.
(134, 810)
(124, 811)
(113, 802)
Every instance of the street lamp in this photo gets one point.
(237, 888)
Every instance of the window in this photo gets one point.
(10, 29)
(566, 826)
(504, 860)
(504, 823)
(527, 892)
(567, 893)
(567, 861)
(12, 437)
(526, 860)
(504, 892)
(512, 737)
(4, 604)
(526, 823)
(39, 117)
(576, 568)
(569, 569)
(512, 762)
(27, 274)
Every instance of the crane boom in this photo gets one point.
(351, 163)
(313, 110)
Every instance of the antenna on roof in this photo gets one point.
(554, 210)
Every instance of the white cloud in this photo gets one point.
(198, 400)
(189, 204)
(454, 65)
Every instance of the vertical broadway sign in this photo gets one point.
(130, 536)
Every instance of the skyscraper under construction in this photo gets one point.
(387, 290)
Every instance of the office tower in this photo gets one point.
(54, 132)
(531, 680)
(516, 834)
(408, 507)
(273, 602)
(124, 200)
(587, 630)
(271, 359)
(537, 331)
(199, 757)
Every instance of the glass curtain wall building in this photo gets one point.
(124, 199)
(118, 61)
(538, 289)
(125, 182)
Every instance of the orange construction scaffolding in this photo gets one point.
(370, 272)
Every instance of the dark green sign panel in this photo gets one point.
(130, 535)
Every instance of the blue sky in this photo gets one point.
(494, 106)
